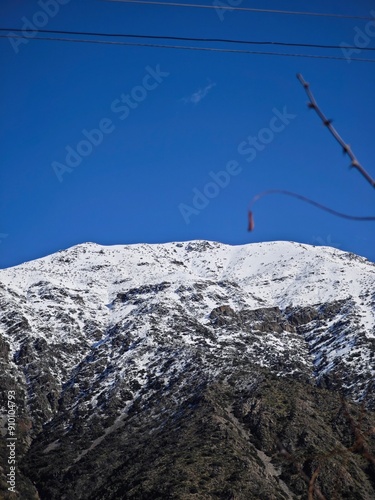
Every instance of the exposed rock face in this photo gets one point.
(189, 370)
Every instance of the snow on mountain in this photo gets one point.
(93, 334)
(77, 295)
(324, 273)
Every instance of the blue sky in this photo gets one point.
(155, 127)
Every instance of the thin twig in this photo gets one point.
(360, 444)
(307, 200)
(290, 458)
(312, 483)
(328, 123)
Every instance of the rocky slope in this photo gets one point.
(190, 370)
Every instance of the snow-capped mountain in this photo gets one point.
(100, 342)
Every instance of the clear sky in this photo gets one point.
(121, 144)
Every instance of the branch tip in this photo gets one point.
(327, 122)
(250, 226)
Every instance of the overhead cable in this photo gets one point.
(182, 38)
(244, 9)
(182, 47)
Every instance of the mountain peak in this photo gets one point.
(94, 336)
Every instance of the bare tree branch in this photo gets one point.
(312, 483)
(307, 200)
(328, 123)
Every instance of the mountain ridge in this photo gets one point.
(97, 338)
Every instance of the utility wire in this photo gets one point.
(246, 9)
(182, 47)
(181, 38)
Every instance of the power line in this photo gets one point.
(182, 47)
(189, 39)
(246, 9)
